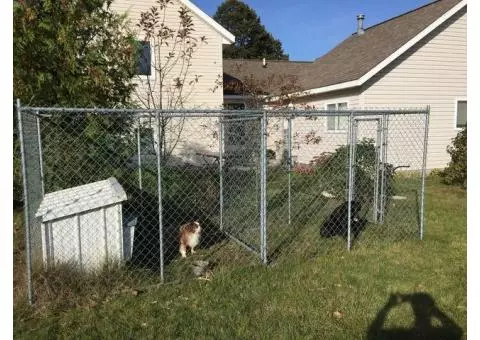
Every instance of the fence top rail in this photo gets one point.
(349, 112)
(140, 112)
(220, 113)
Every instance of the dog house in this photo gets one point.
(83, 225)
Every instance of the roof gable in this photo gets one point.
(228, 38)
(359, 57)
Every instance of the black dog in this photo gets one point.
(337, 223)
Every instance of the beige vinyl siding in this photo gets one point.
(434, 72)
(320, 101)
(303, 151)
(197, 137)
(190, 136)
(303, 130)
(207, 61)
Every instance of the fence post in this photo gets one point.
(351, 134)
(289, 162)
(378, 151)
(220, 167)
(40, 152)
(263, 189)
(159, 192)
(424, 169)
(139, 156)
(26, 207)
(383, 175)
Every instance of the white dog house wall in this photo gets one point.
(83, 225)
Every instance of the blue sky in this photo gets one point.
(310, 28)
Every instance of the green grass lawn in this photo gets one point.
(335, 295)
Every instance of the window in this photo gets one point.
(234, 106)
(144, 58)
(461, 114)
(337, 123)
(235, 131)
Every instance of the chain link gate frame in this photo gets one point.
(173, 190)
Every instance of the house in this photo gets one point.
(199, 75)
(207, 62)
(415, 59)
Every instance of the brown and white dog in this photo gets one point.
(189, 237)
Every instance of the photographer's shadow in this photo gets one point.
(425, 311)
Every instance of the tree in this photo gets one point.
(71, 53)
(275, 91)
(74, 53)
(252, 40)
(169, 79)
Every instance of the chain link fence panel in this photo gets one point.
(131, 198)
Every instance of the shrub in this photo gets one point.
(333, 167)
(456, 171)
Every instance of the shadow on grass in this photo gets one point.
(425, 312)
(301, 221)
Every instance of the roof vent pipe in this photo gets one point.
(360, 29)
(264, 62)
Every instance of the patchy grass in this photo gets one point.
(19, 272)
(345, 295)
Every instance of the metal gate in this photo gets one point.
(242, 170)
(371, 160)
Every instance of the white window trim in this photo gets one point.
(455, 108)
(336, 102)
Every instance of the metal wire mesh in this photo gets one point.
(241, 172)
(153, 196)
(33, 188)
(306, 186)
(345, 180)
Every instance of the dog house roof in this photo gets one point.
(79, 199)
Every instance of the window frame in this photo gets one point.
(455, 116)
(152, 62)
(337, 102)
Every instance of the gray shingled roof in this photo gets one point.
(75, 200)
(237, 69)
(356, 55)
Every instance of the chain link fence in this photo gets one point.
(137, 197)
